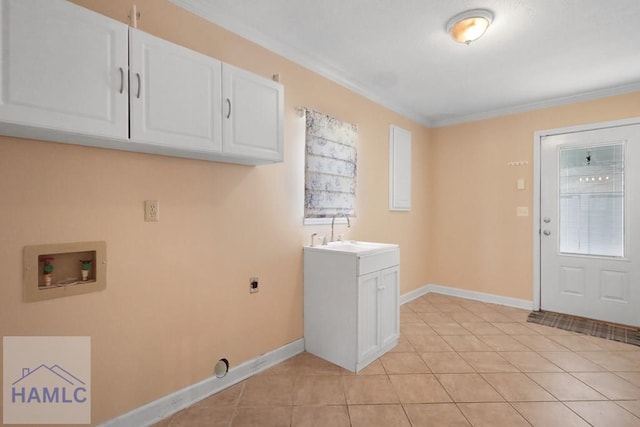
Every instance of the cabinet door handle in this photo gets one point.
(139, 85)
(229, 104)
(121, 79)
(381, 288)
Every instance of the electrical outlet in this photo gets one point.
(254, 282)
(151, 210)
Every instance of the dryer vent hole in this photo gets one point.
(222, 367)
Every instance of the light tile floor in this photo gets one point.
(458, 363)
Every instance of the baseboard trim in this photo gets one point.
(165, 406)
(464, 293)
(415, 294)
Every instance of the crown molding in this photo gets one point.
(316, 65)
(553, 102)
(304, 59)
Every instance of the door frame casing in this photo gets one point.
(537, 147)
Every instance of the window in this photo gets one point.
(330, 167)
(592, 200)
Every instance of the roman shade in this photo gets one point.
(330, 166)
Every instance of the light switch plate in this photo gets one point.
(520, 184)
(522, 211)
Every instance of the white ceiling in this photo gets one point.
(537, 53)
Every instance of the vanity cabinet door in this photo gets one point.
(252, 115)
(378, 312)
(63, 67)
(175, 95)
(368, 314)
(389, 305)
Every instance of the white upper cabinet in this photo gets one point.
(63, 67)
(71, 75)
(253, 115)
(175, 95)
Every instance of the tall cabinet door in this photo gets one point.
(389, 303)
(253, 114)
(63, 67)
(175, 95)
(368, 296)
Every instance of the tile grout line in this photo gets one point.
(476, 368)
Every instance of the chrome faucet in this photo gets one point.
(333, 221)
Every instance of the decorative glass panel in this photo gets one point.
(592, 200)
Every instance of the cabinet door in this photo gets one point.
(253, 115)
(368, 295)
(399, 169)
(175, 95)
(63, 67)
(389, 300)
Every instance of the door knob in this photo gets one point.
(546, 232)
(547, 220)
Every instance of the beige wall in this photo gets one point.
(477, 241)
(177, 295)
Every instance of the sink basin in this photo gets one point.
(354, 247)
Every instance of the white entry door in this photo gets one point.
(590, 224)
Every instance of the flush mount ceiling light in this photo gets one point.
(468, 26)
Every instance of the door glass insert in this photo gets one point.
(592, 200)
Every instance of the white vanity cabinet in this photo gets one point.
(64, 68)
(351, 304)
(71, 75)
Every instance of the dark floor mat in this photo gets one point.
(581, 325)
